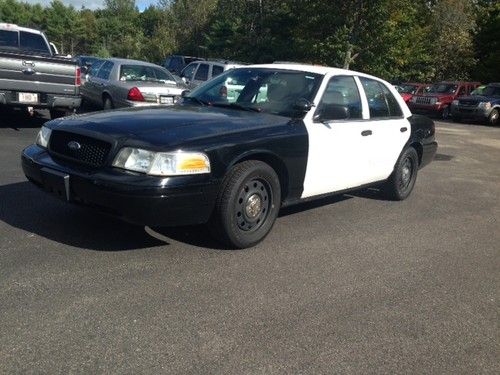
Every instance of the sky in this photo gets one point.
(91, 4)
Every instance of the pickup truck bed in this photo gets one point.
(38, 80)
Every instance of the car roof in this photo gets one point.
(131, 62)
(458, 83)
(317, 69)
(14, 27)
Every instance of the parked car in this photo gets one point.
(199, 72)
(32, 76)
(407, 90)
(234, 163)
(175, 63)
(437, 101)
(484, 107)
(114, 83)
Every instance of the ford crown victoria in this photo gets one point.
(292, 133)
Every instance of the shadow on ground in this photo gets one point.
(26, 207)
(20, 119)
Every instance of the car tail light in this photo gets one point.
(135, 95)
(78, 77)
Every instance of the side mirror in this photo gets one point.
(302, 105)
(328, 112)
(185, 93)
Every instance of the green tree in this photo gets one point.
(487, 42)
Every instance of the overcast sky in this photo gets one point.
(91, 4)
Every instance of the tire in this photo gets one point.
(401, 182)
(456, 119)
(445, 113)
(247, 205)
(493, 118)
(107, 103)
(54, 113)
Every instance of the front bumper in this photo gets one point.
(51, 101)
(473, 113)
(426, 109)
(133, 197)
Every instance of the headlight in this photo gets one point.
(485, 105)
(162, 163)
(455, 102)
(43, 137)
(413, 99)
(434, 101)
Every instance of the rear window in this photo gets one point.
(33, 42)
(216, 70)
(144, 73)
(9, 39)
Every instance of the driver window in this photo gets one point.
(341, 100)
(188, 71)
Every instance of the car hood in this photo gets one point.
(166, 126)
(480, 98)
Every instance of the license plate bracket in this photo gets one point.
(28, 97)
(56, 183)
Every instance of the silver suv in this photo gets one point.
(199, 72)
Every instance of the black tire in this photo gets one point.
(55, 113)
(493, 118)
(107, 102)
(247, 205)
(456, 119)
(401, 182)
(445, 113)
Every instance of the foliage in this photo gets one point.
(422, 40)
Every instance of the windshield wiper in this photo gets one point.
(237, 106)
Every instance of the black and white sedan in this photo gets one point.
(237, 149)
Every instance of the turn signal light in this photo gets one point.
(135, 95)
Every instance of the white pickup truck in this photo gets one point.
(33, 76)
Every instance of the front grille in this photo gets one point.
(423, 100)
(92, 151)
(468, 102)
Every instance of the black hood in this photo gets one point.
(167, 126)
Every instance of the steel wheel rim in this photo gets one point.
(252, 205)
(406, 173)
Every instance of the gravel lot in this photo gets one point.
(350, 284)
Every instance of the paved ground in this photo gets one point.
(352, 284)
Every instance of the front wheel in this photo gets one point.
(401, 182)
(493, 118)
(247, 205)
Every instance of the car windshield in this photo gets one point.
(410, 89)
(491, 91)
(144, 73)
(443, 88)
(258, 89)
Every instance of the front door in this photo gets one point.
(340, 139)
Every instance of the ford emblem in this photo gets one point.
(75, 146)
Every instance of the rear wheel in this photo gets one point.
(401, 182)
(107, 103)
(247, 205)
(493, 118)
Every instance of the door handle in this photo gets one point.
(365, 133)
(403, 129)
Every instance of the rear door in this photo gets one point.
(101, 81)
(388, 124)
